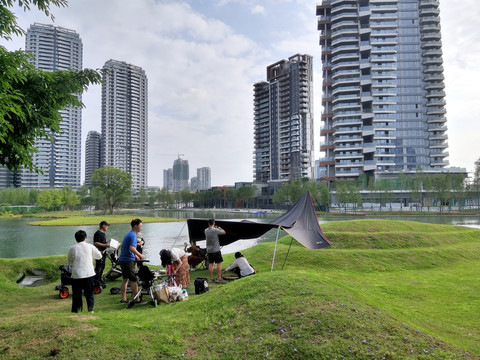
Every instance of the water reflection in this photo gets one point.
(19, 240)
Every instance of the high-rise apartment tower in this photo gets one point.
(383, 98)
(56, 48)
(125, 120)
(283, 121)
(92, 154)
(180, 174)
(168, 179)
(204, 178)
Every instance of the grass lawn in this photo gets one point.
(385, 290)
(95, 220)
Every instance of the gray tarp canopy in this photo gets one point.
(300, 222)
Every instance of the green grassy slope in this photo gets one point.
(386, 289)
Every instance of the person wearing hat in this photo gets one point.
(100, 242)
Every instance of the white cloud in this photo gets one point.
(258, 9)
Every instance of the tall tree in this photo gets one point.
(476, 181)
(30, 98)
(342, 195)
(246, 193)
(325, 197)
(114, 184)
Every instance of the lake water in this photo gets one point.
(20, 240)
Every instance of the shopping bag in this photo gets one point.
(162, 295)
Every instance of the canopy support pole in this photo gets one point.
(180, 233)
(275, 251)
(284, 261)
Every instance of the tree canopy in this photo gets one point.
(114, 184)
(30, 99)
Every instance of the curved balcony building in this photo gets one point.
(383, 99)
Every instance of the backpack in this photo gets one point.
(201, 286)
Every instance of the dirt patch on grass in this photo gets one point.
(84, 317)
(190, 352)
(71, 332)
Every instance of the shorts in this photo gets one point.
(215, 257)
(128, 270)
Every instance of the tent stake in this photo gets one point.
(179, 235)
(284, 261)
(274, 251)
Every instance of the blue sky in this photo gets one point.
(202, 58)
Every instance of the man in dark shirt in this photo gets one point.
(100, 242)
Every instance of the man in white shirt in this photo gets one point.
(80, 258)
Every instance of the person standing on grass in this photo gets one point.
(213, 249)
(100, 242)
(80, 258)
(128, 255)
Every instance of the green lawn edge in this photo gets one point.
(95, 220)
(415, 302)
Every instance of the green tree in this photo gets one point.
(441, 185)
(30, 98)
(458, 189)
(384, 189)
(114, 184)
(476, 181)
(354, 196)
(142, 196)
(152, 196)
(246, 193)
(342, 195)
(185, 196)
(45, 199)
(32, 196)
(290, 193)
(231, 196)
(325, 198)
(69, 198)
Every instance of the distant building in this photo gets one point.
(383, 88)
(194, 183)
(168, 179)
(56, 48)
(180, 174)
(204, 178)
(7, 178)
(283, 121)
(92, 154)
(125, 120)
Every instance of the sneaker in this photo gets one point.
(220, 281)
(91, 311)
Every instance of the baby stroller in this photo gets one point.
(146, 278)
(66, 279)
(114, 272)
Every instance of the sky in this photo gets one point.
(202, 58)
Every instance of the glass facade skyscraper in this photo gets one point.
(283, 121)
(92, 154)
(383, 90)
(56, 48)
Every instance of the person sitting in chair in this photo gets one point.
(240, 266)
(198, 255)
